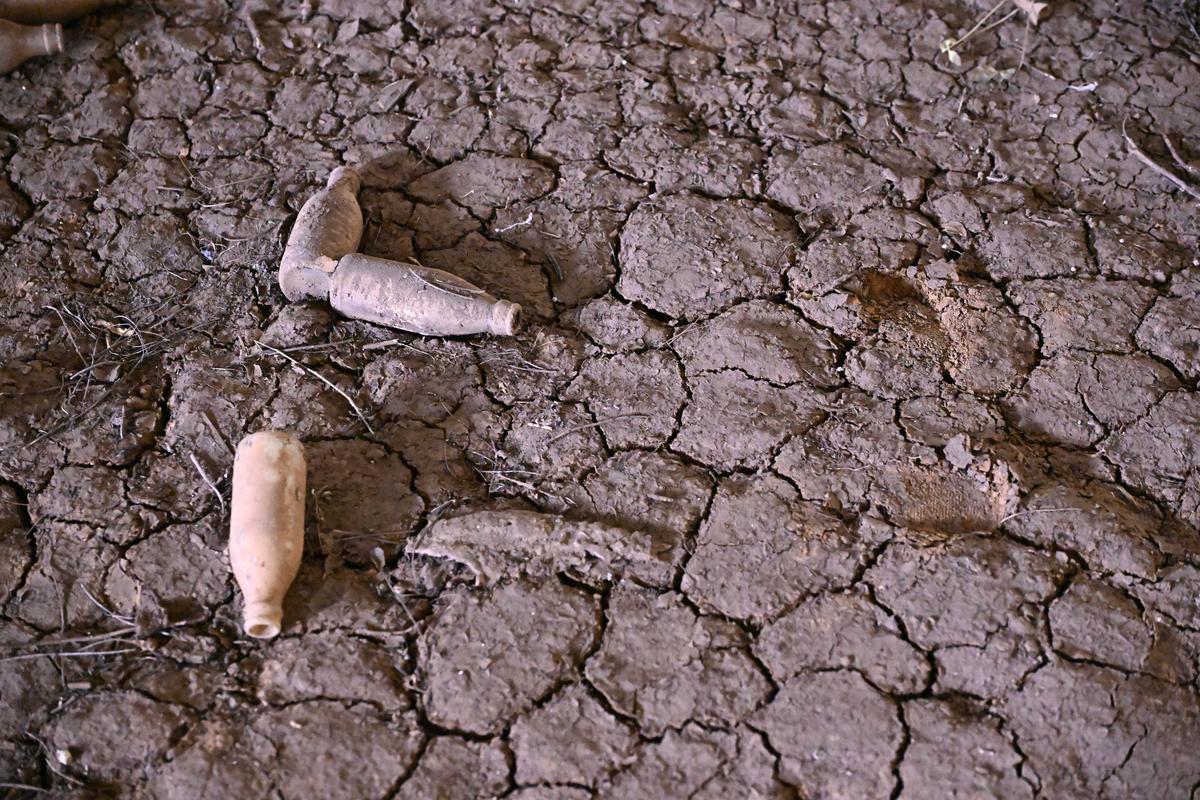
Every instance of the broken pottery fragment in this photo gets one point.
(497, 544)
(417, 299)
(328, 227)
(266, 525)
(19, 43)
(35, 12)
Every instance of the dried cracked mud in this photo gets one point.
(852, 449)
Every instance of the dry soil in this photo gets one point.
(852, 449)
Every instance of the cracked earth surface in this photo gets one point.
(859, 392)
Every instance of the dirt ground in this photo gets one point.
(851, 450)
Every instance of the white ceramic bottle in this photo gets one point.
(266, 525)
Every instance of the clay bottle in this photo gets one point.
(328, 227)
(417, 299)
(33, 12)
(266, 525)
(19, 43)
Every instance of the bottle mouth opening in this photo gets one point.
(263, 620)
(262, 630)
(506, 318)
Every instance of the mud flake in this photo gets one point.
(766, 341)
(484, 184)
(1022, 245)
(1086, 313)
(331, 666)
(1107, 527)
(423, 384)
(571, 739)
(975, 600)
(91, 728)
(655, 493)
(816, 724)
(177, 568)
(619, 327)
(15, 557)
(1160, 453)
(1097, 622)
(452, 767)
(351, 753)
(733, 420)
(662, 664)
(13, 209)
(338, 599)
(499, 544)
(701, 764)
(636, 396)
(1091, 732)
(688, 256)
(991, 349)
(1172, 331)
(69, 558)
(1120, 388)
(827, 181)
(1176, 593)
(842, 631)
(489, 657)
(1050, 408)
(49, 171)
(961, 591)
(361, 495)
(497, 268)
(763, 547)
(955, 748)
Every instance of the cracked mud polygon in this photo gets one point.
(857, 392)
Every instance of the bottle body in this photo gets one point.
(417, 299)
(19, 43)
(266, 525)
(34, 12)
(328, 227)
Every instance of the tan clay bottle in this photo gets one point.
(266, 525)
(33, 12)
(417, 299)
(328, 227)
(19, 43)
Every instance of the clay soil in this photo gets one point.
(851, 449)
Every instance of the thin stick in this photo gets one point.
(1192, 168)
(1033, 511)
(1154, 166)
(528, 220)
(357, 411)
(207, 480)
(75, 654)
(595, 424)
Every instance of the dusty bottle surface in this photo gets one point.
(328, 227)
(266, 525)
(32, 12)
(417, 299)
(19, 43)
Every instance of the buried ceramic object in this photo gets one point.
(19, 43)
(34, 12)
(266, 525)
(328, 227)
(417, 299)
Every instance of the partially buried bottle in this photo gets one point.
(32, 12)
(328, 227)
(19, 43)
(417, 299)
(266, 525)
